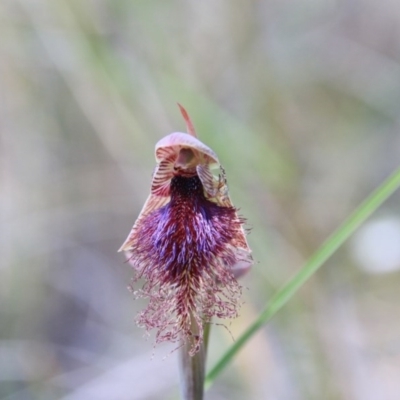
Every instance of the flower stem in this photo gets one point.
(192, 368)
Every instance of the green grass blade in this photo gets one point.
(328, 248)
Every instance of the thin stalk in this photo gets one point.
(192, 368)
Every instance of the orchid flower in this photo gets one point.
(188, 243)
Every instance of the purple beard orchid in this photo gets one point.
(188, 243)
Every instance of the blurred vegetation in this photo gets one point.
(300, 100)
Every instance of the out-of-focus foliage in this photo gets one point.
(301, 101)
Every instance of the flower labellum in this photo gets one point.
(188, 243)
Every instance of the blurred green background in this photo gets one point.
(300, 100)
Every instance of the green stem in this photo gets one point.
(326, 250)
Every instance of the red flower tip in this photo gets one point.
(189, 124)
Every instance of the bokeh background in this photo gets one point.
(301, 101)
